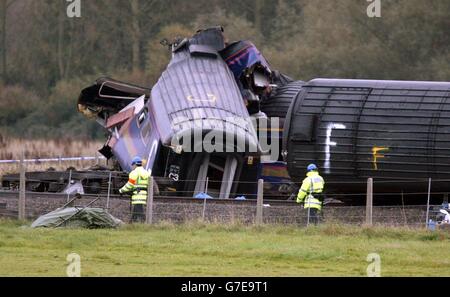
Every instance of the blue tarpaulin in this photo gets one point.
(203, 196)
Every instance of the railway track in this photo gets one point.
(159, 199)
(179, 209)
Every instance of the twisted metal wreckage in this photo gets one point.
(208, 114)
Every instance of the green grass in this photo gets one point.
(214, 250)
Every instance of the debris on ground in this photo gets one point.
(88, 217)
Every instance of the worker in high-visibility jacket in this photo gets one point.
(137, 184)
(310, 193)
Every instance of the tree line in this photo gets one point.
(47, 57)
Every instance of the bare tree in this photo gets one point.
(141, 12)
(257, 13)
(135, 34)
(4, 5)
(60, 55)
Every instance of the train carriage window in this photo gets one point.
(145, 126)
(141, 118)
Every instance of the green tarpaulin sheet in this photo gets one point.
(77, 217)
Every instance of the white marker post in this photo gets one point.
(428, 203)
(22, 188)
(149, 210)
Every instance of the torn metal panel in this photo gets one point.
(108, 96)
(211, 37)
(119, 118)
(243, 55)
(137, 105)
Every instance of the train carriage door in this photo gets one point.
(217, 174)
(149, 138)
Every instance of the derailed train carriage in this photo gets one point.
(207, 95)
(353, 129)
(396, 132)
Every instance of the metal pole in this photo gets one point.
(78, 212)
(149, 216)
(428, 202)
(68, 185)
(369, 201)
(259, 202)
(109, 190)
(71, 201)
(308, 216)
(403, 211)
(21, 206)
(204, 209)
(204, 200)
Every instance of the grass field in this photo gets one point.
(212, 250)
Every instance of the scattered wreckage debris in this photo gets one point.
(73, 217)
(77, 216)
(91, 181)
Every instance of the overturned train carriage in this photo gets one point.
(199, 112)
(355, 129)
(188, 128)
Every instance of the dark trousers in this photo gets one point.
(313, 215)
(137, 213)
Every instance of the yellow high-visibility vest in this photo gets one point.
(312, 184)
(137, 183)
(311, 202)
